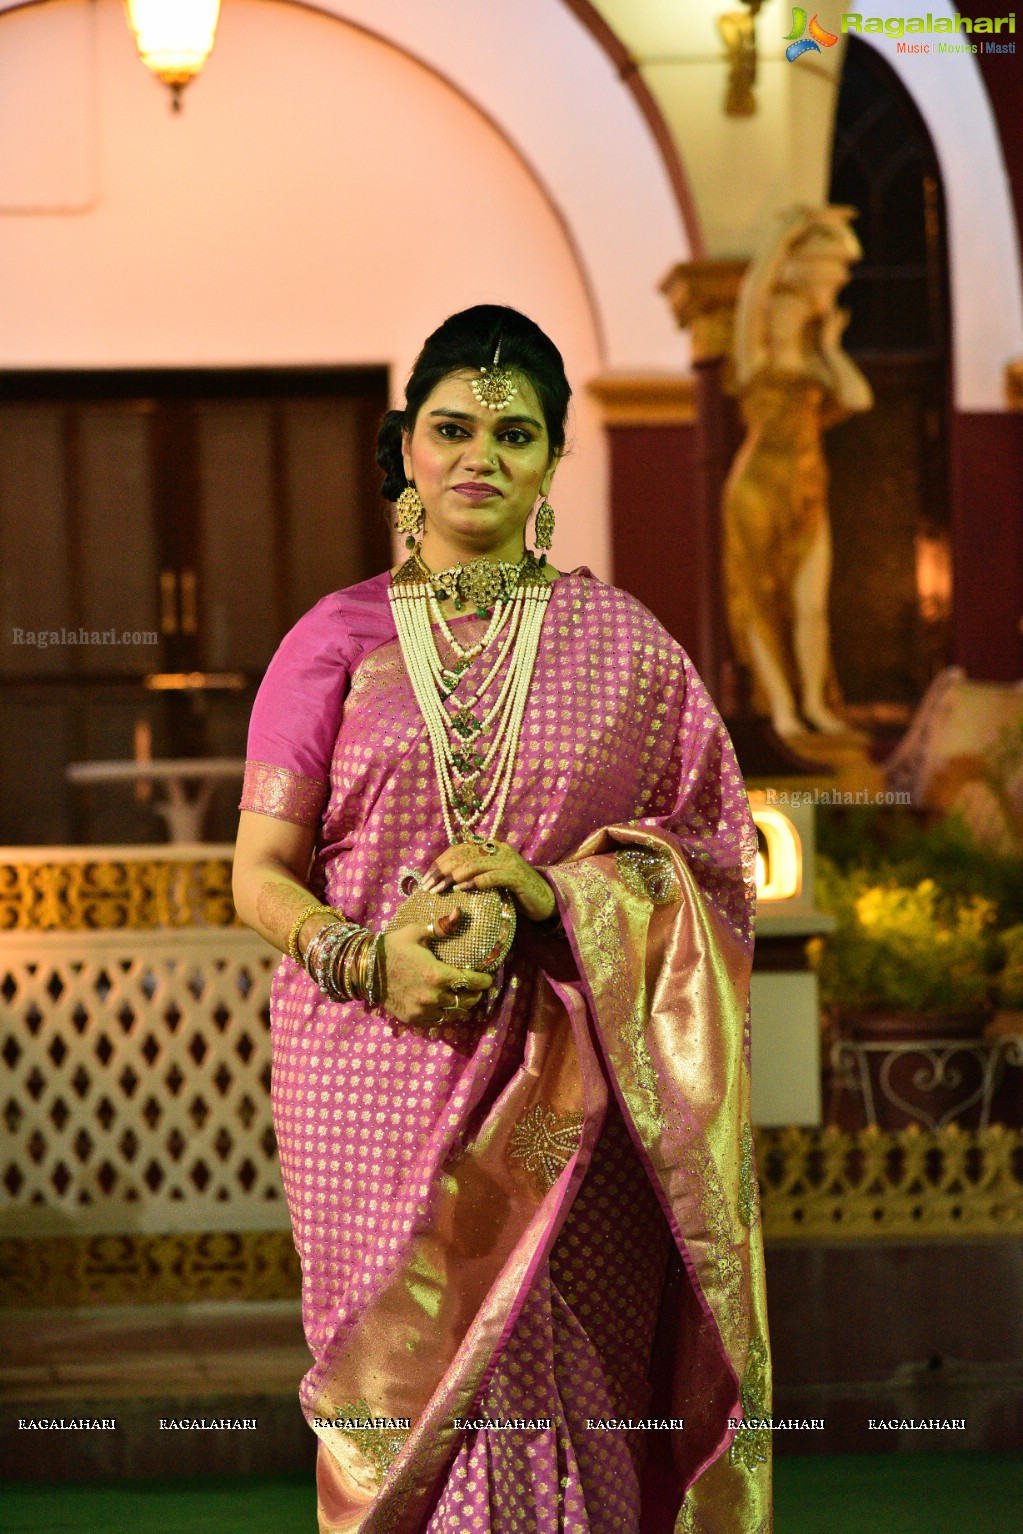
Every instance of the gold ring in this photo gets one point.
(432, 930)
(491, 849)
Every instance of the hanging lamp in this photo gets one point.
(174, 38)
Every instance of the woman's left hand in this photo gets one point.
(492, 865)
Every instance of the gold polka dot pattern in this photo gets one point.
(618, 729)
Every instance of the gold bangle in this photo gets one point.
(362, 969)
(365, 981)
(340, 964)
(348, 968)
(311, 910)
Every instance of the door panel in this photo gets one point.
(238, 553)
(199, 514)
(33, 538)
(115, 538)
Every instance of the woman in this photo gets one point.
(524, 1203)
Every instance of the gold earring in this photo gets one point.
(543, 527)
(409, 508)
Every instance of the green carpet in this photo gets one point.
(214, 1505)
(899, 1494)
(819, 1494)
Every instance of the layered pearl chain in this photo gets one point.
(520, 596)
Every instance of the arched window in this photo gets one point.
(890, 486)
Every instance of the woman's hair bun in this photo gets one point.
(389, 454)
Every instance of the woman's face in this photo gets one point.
(479, 472)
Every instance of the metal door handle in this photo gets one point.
(189, 604)
(168, 601)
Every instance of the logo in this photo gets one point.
(799, 44)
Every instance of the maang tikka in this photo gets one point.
(494, 387)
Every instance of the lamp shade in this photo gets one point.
(174, 37)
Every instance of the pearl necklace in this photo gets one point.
(522, 592)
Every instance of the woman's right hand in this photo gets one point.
(420, 988)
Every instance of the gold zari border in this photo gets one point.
(924, 1184)
(816, 1185)
(285, 795)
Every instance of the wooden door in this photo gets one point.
(158, 535)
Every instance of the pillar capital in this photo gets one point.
(703, 295)
(645, 399)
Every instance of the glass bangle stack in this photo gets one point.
(344, 960)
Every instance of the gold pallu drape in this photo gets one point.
(662, 1008)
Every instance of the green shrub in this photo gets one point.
(905, 847)
(903, 947)
(1010, 981)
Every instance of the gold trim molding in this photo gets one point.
(645, 399)
(1014, 384)
(97, 893)
(147, 1269)
(828, 1185)
(703, 296)
(816, 1186)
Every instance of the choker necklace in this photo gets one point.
(478, 583)
(473, 714)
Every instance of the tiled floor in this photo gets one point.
(118, 1352)
(143, 1366)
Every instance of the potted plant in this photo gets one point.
(904, 957)
(1006, 1027)
(907, 966)
(1008, 1016)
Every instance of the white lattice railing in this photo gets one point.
(135, 1071)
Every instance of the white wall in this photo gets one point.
(322, 198)
(537, 72)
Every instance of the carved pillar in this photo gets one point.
(1014, 385)
(703, 295)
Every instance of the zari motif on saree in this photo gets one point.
(649, 873)
(752, 1446)
(544, 1142)
(380, 1439)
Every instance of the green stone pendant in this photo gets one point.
(466, 723)
(466, 762)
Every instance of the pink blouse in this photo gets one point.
(297, 713)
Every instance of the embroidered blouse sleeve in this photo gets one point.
(296, 717)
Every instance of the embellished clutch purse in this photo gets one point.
(484, 933)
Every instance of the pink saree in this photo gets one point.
(531, 1256)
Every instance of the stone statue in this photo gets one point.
(794, 381)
